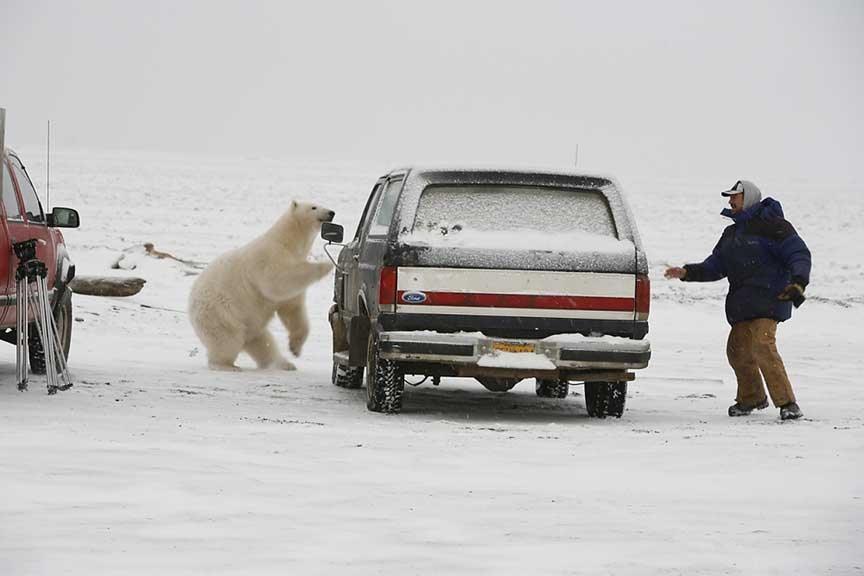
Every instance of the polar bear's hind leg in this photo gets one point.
(222, 355)
(263, 350)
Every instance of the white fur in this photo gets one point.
(236, 296)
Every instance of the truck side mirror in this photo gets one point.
(64, 218)
(332, 232)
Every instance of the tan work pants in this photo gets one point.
(751, 349)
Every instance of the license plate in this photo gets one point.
(512, 347)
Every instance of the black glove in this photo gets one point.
(793, 292)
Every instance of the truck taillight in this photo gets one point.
(387, 286)
(643, 297)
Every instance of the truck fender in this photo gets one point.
(65, 272)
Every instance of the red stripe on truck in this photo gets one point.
(479, 300)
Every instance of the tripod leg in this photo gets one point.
(38, 314)
(33, 299)
(21, 326)
(46, 335)
(59, 371)
(63, 368)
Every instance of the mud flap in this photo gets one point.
(358, 337)
(337, 328)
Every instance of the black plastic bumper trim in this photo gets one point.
(428, 348)
(513, 326)
(605, 356)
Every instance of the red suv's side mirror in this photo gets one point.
(64, 218)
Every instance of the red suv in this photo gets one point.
(22, 218)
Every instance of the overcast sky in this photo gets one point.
(654, 88)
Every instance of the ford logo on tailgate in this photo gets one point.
(414, 297)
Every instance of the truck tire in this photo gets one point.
(384, 381)
(605, 398)
(347, 376)
(63, 319)
(552, 388)
(498, 384)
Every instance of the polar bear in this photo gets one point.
(233, 300)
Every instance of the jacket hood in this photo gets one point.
(767, 208)
(752, 194)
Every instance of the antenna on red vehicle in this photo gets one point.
(48, 172)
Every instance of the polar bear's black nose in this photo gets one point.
(330, 215)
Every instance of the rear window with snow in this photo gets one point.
(493, 216)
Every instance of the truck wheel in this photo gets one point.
(347, 376)
(384, 382)
(552, 388)
(605, 398)
(63, 319)
(498, 384)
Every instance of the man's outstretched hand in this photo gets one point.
(793, 292)
(675, 272)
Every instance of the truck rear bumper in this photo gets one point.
(555, 353)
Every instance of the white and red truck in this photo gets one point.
(498, 275)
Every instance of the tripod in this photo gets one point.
(32, 297)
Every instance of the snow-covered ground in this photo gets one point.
(152, 464)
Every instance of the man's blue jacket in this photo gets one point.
(760, 254)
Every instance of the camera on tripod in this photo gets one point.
(25, 250)
(32, 300)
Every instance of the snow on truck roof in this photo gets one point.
(511, 174)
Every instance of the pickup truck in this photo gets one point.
(22, 218)
(498, 275)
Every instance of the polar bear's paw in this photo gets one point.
(284, 364)
(295, 343)
(223, 367)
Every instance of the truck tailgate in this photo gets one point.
(529, 302)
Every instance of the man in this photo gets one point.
(768, 267)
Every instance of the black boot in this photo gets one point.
(790, 411)
(738, 409)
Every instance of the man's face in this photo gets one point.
(736, 202)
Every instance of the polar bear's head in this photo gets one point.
(298, 225)
(312, 214)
